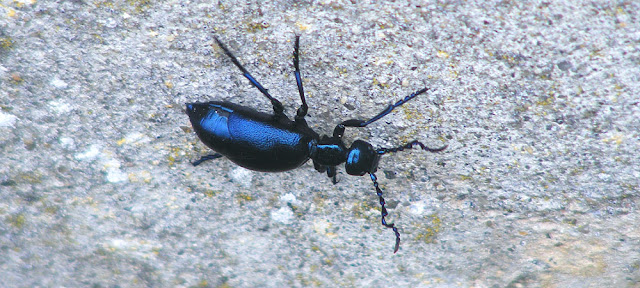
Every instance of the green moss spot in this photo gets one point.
(243, 198)
(17, 220)
(432, 227)
(140, 5)
(6, 43)
(253, 27)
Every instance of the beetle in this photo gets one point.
(274, 143)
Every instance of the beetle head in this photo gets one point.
(361, 159)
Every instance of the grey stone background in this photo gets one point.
(538, 102)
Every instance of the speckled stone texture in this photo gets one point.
(538, 102)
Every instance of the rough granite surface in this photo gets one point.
(538, 102)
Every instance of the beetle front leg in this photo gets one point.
(339, 130)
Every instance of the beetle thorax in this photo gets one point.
(329, 152)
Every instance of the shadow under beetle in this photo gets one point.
(273, 143)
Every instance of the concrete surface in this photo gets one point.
(538, 102)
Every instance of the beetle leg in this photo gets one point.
(319, 168)
(277, 106)
(331, 172)
(339, 130)
(302, 111)
(205, 158)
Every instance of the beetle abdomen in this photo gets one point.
(251, 139)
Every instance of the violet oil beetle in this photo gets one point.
(274, 143)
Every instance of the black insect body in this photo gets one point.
(273, 143)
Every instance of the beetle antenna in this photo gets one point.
(384, 212)
(409, 146)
